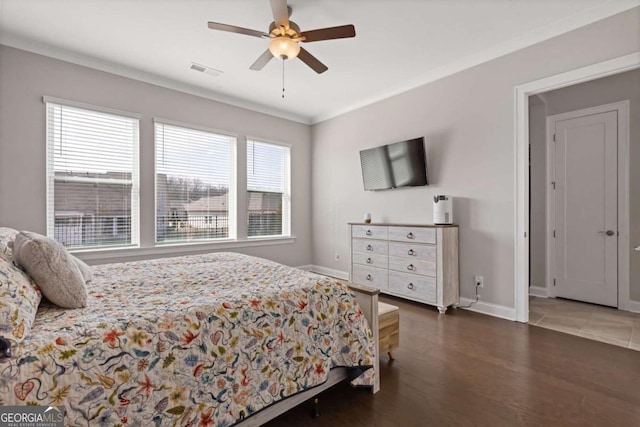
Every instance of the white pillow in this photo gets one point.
(52, 267)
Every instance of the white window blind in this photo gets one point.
(92, 177)
(193, 184)
(268, 189)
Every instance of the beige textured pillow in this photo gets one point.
(52, 267)
(85, 270)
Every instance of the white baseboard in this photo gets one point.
(343, 275)
(539, 291)
(495, 310)
(490, 309)
(634, 306)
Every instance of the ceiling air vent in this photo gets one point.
(205, 69)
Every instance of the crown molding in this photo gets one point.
(553, 29)
(48, 50)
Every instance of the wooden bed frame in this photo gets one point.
(368, 301)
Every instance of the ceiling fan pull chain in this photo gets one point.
(283, 78)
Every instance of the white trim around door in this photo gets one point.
(521, 212)
(622, 109)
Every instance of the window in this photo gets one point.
(92, 176)
(268, 189)
(194, 175)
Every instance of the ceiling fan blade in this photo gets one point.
(262, 61)
(234, 29)
(312, 61)
(341, 32)
(280, 12)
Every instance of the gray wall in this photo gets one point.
(538, 192)
(467, 120)
(26, 77)
(620, 87)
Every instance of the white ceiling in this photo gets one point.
(399, 44)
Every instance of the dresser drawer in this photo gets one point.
(412, 286)
(380, 247)
(413, 251)
(371, 276)
(413, 234)
(404, 265)
(372, 260)
(370, 232)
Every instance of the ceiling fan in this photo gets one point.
(285, 36)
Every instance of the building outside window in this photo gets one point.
(92, 176)
(268, 189)
(194, 192)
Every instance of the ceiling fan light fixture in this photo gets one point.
(284, 47)
(284, 37)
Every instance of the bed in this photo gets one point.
(217, 339)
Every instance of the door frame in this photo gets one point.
(521, 159)
(622, 144)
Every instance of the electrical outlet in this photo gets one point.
(479, 281)
(336, 257)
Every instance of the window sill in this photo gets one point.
(163, 249)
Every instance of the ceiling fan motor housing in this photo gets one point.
(293, 29)
(284, 40)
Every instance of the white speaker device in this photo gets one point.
(442, 209)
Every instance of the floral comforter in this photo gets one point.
(200, 340)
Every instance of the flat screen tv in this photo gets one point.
(401, 164)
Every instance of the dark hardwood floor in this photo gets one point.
(467, 369)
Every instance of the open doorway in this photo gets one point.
(584, 151)
(521, 212)
(579, 206)
(580, 191)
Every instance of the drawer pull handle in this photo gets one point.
(369, 248)
(410, 267)
(368, 233)
(410, 236)
(369, 261)
(411, 252)
(369, 277)
(410, 286)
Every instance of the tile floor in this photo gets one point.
(605, 324)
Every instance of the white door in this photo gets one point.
(586, 212)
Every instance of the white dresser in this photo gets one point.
(417, 262)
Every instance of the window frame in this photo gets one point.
(233, 187)
(50, 101)
(143, 243)
(286, 204)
